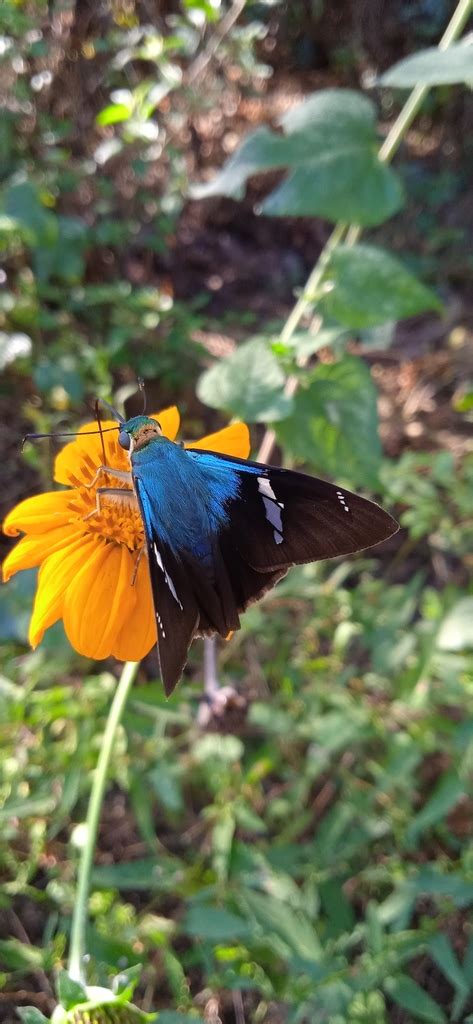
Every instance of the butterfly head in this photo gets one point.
(138, 432)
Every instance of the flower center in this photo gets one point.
(113, 517)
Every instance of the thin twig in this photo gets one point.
(203, 60)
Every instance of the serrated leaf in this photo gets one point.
(334, 424)
(411, 997)
(433, 67)
(368, 286)
(456, 631)
(249, 384)
(330, 147)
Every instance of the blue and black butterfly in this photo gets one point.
(221, 531)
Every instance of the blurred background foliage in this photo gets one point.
(307, 856)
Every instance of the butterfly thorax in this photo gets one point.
(188, 498)
(136, 433)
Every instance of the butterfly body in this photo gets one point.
(220, 531)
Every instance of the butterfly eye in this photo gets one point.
(124, 440)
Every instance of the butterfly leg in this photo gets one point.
(120, 495)
(118, 474)
(216, 698)
(137, 564)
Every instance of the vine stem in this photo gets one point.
(79, 915)
(389, 147)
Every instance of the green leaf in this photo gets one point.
(433, 67)
(249, 384)
(441, 951)
(292, 926)
(456, 631)
(31, 1015)
(148, 873)
(215, 924)
(446, 794)
(330, 147)
(113, 114)
(411, 997)
(367, 286)
(306, 343)
(22, 202)
(334, 425)
(69, 992)
(18, 956)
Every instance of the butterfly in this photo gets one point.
(221, 531)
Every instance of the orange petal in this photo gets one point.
(54, 577)
(79, 458)
(99, 599)
(32, 551)
(38, 514)
(103, 450)
(169, 420)
(232, 440)
(138, 634)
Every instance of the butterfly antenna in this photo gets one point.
(116, 415)
(141, 386)
(62, 433)
(97, 417)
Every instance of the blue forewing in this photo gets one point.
(221, 531)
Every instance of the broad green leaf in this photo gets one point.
(31, 1015)
(22, 202)
(20, 956)
(306, 343)
(433, 67)
(249, 384)
(367, 286)
(411, 997)
(329, 145)
(215, 924)
(69, 992)
(334, 425)
(456, 631)
(446, 794)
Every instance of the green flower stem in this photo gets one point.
(415, 100)
(302, 306)
(79, 916)
(389, 147)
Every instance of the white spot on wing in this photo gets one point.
(167, 577)
(272, 507)
(160, 624)
(342, 501)
(273, 513)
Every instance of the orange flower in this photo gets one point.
(88, 560)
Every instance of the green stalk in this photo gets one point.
(389, 147)
(79, 916)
